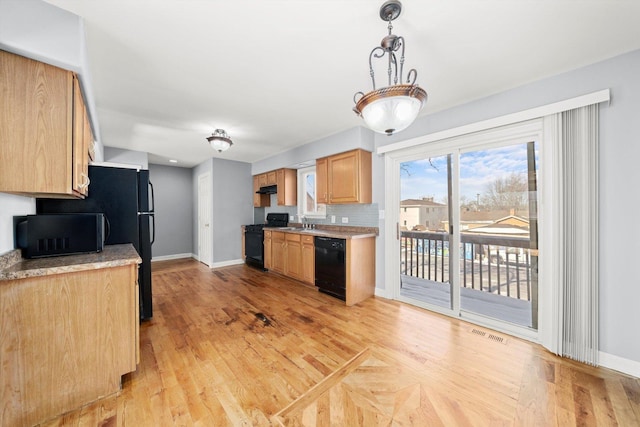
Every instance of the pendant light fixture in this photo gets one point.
(219, 140)
(392, 108)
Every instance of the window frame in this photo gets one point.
(320, 211)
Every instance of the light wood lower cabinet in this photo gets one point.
(267, 249)
(361, 269)
(293, 255)
(308, 260)
(65, 340)
(278, 257)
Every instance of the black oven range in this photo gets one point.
(254, 238)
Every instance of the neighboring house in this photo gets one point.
(510, 225)
(422, 214)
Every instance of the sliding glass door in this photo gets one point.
(425, 241)
(467, 229)
(498, 230)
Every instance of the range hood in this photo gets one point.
(269, 189)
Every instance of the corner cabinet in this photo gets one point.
(45, 137)
(344, 178)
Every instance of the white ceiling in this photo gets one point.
(280, 73)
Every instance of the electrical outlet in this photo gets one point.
(345, 219)
(333, 219)
(381, 214)
(290, 217)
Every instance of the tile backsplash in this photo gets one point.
(358, 215)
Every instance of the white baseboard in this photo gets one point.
(227, 263)
(175, 256)
(620, 364)
(382, 293)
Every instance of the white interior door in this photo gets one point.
(205, 236)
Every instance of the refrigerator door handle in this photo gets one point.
(153, 199)
(153, 224)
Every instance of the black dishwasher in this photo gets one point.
(331, 272)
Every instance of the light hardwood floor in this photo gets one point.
(207, 359)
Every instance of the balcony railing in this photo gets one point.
(493, 264)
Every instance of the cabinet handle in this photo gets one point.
(86, 181)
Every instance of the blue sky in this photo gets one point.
(478, 169)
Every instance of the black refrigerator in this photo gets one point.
(125, 197)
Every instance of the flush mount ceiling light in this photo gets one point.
(219, 140)
(392, 108)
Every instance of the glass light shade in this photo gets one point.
(219, 140)
(390, 115)
(220, 144)
(391, 109)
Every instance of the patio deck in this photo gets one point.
(501, 307)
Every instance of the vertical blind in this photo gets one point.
(577, 242)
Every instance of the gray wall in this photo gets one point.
(174, 210)
(44, 32)
(350, 139)
(232, 206)
(38, 30)
(11, 205)
(118, 155)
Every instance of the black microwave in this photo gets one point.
(59, 234)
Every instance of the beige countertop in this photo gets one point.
(13, 266)
(336, 232)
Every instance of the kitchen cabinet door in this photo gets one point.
(293, 263)
(322, 181)
(70, 336)
(349, 177)
(267, 250)
(308, 260)
(43, 149)
(259, 200)
(278, 251)
(287, 181)
(81, 137)
(272, 178)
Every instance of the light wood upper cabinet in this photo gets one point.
(271, 178)
(287, 181)
(82, 138)
(262, 180)
(260, 200)
(322, 180)
(344, 178)
(44, 143)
